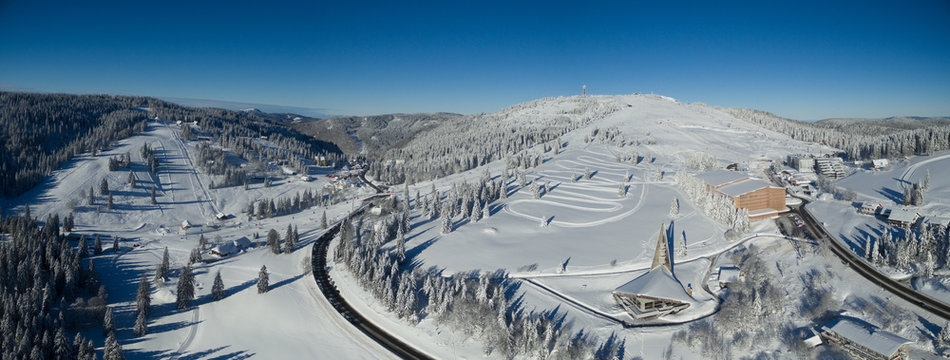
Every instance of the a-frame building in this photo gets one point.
(657, 292)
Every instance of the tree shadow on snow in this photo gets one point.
(286, 281)
(411, 254)
(892, 195)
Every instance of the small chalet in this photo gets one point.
(231, 247)
(869, 208)
(903, 217)
(878, 164)
(657, 292)
(185, 225)
(865, 341)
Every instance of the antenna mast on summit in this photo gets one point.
(584, 90)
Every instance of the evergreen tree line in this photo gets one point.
(238, 131)
(40, 273)
(214, 161)
(859, 140)
(465, 143)
(921, 251)
(482, 305)
(40, 132)
(715, 205)
(267, 208)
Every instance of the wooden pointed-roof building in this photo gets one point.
(657, 292)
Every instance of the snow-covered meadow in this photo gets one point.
(567, 247)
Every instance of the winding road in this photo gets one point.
(861, 266)
(327, 287)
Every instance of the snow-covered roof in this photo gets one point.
(866, 335)
(225, 249)
(185, 223)
(717, 178)
(728, 274)
(903, 215)
(231, 247)
(242, 242)
(744, 187)
(870, 205)
(658, 283)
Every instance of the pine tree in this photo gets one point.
(195, 256)
(61, 348)
(289, 240)
(115, 244)
(153, 196)
(104, 187)
(186, 288)
(83, 246)
(273, 240)
(323, 220)
(263, 280)
(162, 271)
(108, 322)
(446, 222)
(112, 349)
(132, 179)
(92, 197)
(141, 325)
(476, 210)
(927, 180)
(110, 204)
(400, 244)
(143, 296)
(97, 246)
(943, 338)
(674, 207)
(217, 290)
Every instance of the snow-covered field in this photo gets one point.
(292, 320)
(887, 187)
(594, 239)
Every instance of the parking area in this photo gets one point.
(790, 224)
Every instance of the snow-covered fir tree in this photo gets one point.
(143, 296)
(263, 280)
(112, 349)
(186, 288)
(141, 325)
(217, 289)
(273, 241)
(97, 245)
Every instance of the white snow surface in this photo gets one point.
(590, 225)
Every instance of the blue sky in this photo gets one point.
(799, 59)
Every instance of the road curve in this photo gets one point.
(862, 267)
(333, 296)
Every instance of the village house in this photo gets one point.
(865, 341)
(903, 217)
